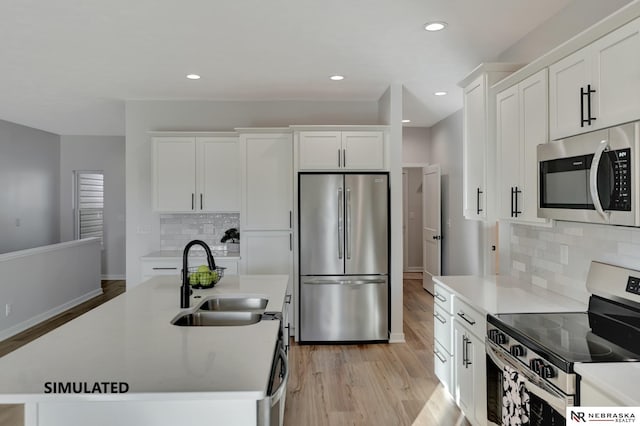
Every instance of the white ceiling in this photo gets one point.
(68, 65)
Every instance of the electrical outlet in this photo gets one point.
(7, 309)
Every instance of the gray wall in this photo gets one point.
(142, 228)
(570, 21)
(461, 238)
(415, 144)
(29, 171)
(106, 154)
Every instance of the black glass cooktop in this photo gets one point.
(572, 337)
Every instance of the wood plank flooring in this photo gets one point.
(333, 385)
(384, 384)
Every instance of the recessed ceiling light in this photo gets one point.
(193, 76)
(406, 121)
(435, 26)
(337, 77)
(440, 93)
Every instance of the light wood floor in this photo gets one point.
(333, 385)
(384, 384)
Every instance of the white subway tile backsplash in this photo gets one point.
(561, 255)
(176, 230)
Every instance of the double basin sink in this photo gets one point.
(224, 311)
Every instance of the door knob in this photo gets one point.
(437, 237)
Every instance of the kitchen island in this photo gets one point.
(148, 371)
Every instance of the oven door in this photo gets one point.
(547, 405)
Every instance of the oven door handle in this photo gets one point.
(593, 178)
(545, 392)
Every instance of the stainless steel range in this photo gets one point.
(531, 356)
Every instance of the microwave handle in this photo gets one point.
(593, 178)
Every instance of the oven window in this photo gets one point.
(564, 183)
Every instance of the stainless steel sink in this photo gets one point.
(212, 318)
(245, 304)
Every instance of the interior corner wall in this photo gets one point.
(97, 153)
(415, 144)
(142, 224)
(29, 199)
(461, 238)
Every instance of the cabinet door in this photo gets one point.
(320, 150)
(174, 174)
(267, 252)
(616, 76)
(363, 150)
(464, 364)
(508, 138)
(567, 78)
(474, 149)
(533, 132)
(218, 176)
(267, 181)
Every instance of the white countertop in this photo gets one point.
(502, 294)
(130, 339)
(619, 380)
(171, 254)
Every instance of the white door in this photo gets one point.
(567, 78)
(431, 222)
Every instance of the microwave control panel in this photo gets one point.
(621, 162)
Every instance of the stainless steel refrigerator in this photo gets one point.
(344, 257)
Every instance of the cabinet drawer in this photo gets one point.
(443, 328)
(443, 298)
(443, 366)
(470, 318)
(161, 267)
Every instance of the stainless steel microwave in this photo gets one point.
(591, 177)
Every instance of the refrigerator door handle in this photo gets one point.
(348, 233)
(340, 223)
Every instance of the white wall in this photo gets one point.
(106, 154)
(41, 282)
(461, 238)
(570, 21)
(29, 170)
(415, 144)
(142, 227)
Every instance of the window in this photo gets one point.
(89, 204)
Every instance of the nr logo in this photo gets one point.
(577, 416)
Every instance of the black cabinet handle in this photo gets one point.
(344, 158)
(339, 158)
(193, 201)
(582, 120)
(589, 92)
(290, 242)
(586, 93)
(201, 201)
(516, 191)
(512, 201)
(290, 219)
(478, 209)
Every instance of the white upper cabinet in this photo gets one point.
(334, 150)
(174, 174)
(196, 174)
(218, 174)
(521, 125)
(474, 149)
(598, 86)
(266, 181)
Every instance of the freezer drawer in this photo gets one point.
(353, 308)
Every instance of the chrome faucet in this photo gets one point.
(185, 289)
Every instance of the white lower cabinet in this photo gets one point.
(592, 396)
(443, 366)
(470, 374)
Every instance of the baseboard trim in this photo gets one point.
(20, 327)
(113, 277)
(414, 269)
(396, 338)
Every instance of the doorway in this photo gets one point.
(412, 218)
